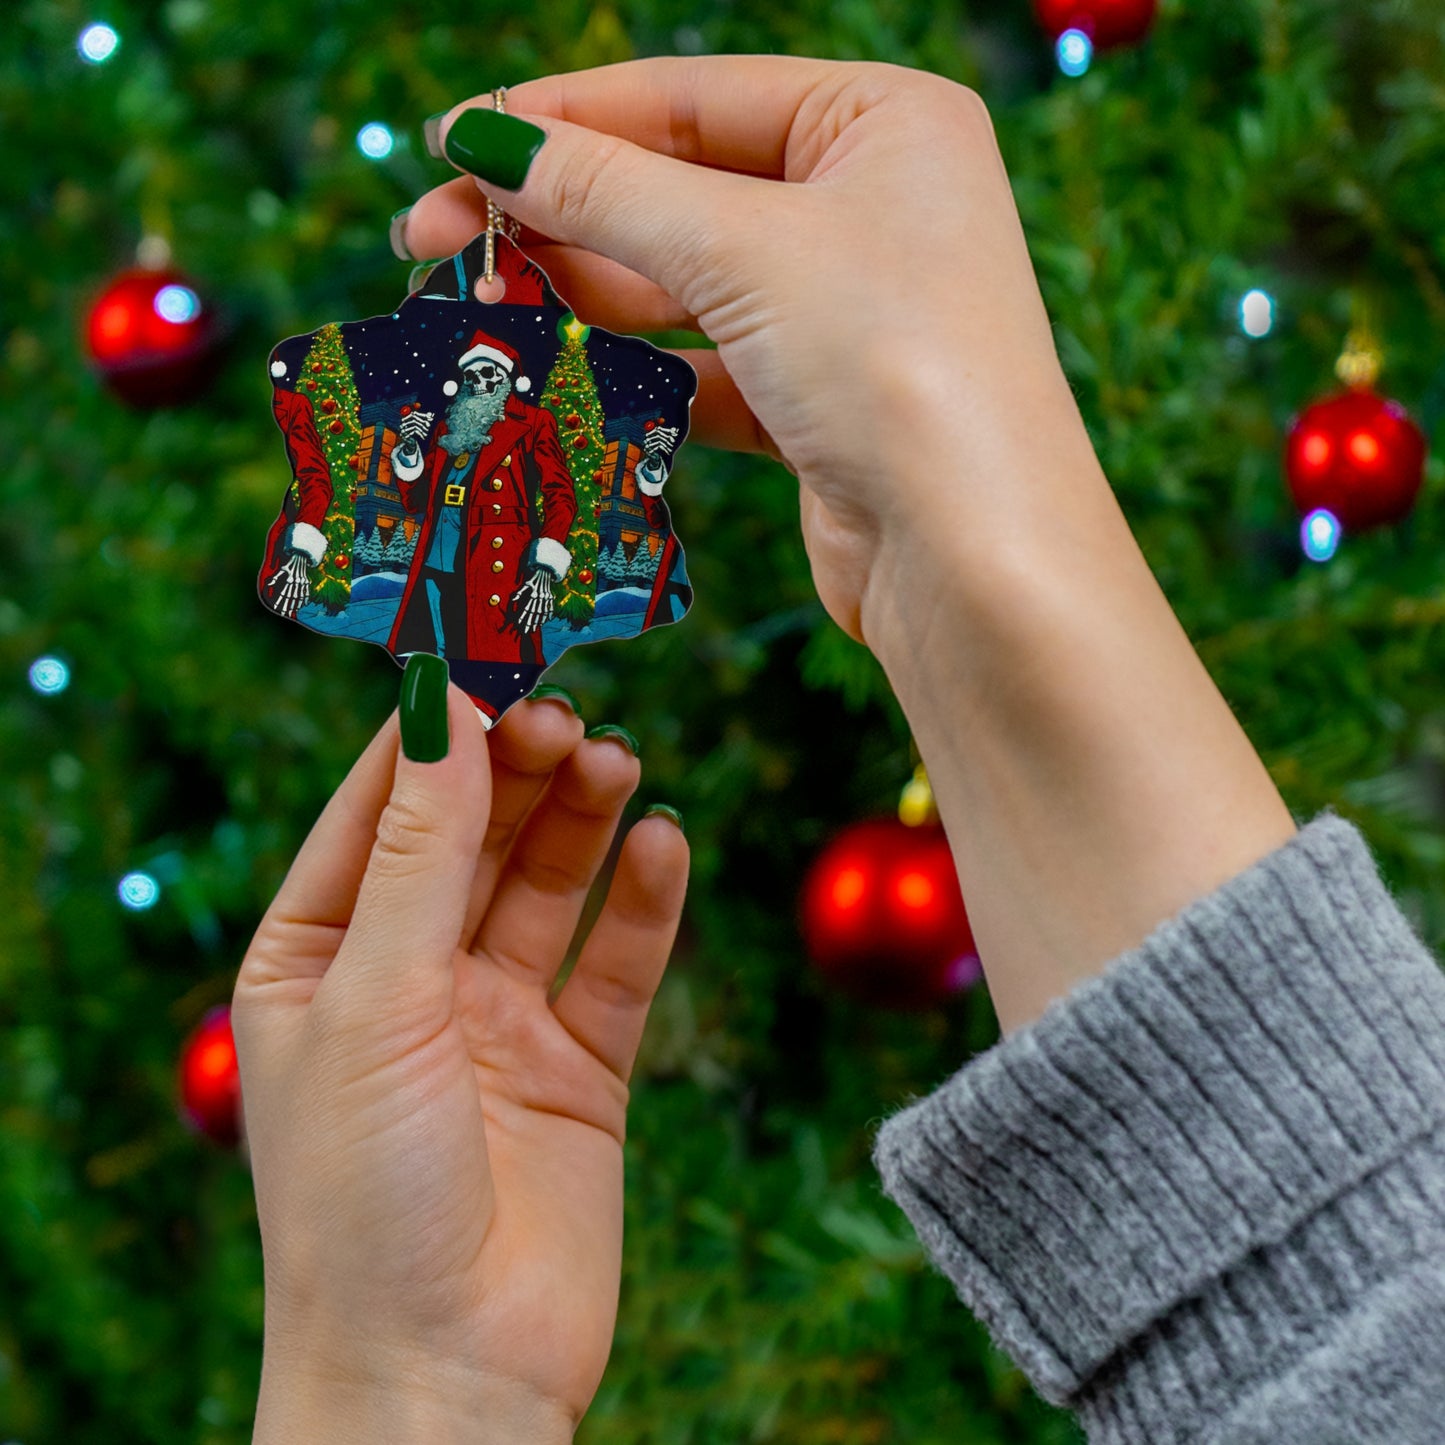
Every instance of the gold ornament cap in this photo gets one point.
(915, 804)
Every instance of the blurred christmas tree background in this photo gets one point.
(770, 1292)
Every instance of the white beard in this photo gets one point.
(470, 419)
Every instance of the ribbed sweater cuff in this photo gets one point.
(1167, 1148)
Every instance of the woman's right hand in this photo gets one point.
(878, 324)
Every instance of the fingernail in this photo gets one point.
(667, 812)
(431, 133)
(425, 736)
(611, 730)
(549, 689)
(418, 276)
(398, 235)
(498, 148)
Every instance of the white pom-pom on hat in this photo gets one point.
(524, 383)
(450, 388)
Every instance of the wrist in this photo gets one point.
(1092, 779)
(311, 1401)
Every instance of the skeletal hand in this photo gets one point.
(415, 425)
(535, 598)
(297, 589)
(660, 441)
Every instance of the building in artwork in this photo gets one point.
(623, 528)
(378, 502)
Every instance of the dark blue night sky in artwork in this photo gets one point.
(413, 353)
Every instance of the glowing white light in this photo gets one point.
(1256, 313)
(97, 43)
(138, 891)
(177, 304)
(375, 140)
(1075, 51)
(278, 368)
(49, 675)
(1320, 535)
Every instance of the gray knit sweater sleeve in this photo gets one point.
(1202, 1199)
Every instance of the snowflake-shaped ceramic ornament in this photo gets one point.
(479, 480)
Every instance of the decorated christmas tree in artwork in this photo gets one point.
(571, 396)
(327, 381)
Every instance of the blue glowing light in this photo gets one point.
(1075, 52)
(49, 675)
(138, 891)
(1256, 313)
(1320, 535)
(97, 43)
(177, 304)
(375, 140)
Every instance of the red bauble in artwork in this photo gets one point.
(152, 338)
(1359, 456)
(210, 1080)
(883, 917)
(1107, 23)
(585, 576)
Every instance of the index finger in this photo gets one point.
(735, 112)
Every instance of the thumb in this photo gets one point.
(395, 963)
(663, 218)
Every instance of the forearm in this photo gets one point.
(1091, 778)
(402, 1403)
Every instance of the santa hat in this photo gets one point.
(488, 348)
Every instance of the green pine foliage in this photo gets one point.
(770, 1292)
(571, 396)
(327, 380)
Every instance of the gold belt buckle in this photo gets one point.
(454, 494)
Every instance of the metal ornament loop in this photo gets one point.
(497, 218)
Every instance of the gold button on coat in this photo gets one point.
(496, 484)
(497, 565)
(496, 542)
(495, 600)
(496, 509)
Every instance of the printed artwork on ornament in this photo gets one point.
(442, 502)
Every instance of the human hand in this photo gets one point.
(878, 324)
(436, 1149)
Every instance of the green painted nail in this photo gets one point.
(550, 689)
(425, 736)
(611, 730)
(667, 812)
(431, 133)
(397, 235)
(498, 148)
(418, 276)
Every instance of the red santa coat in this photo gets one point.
(299, 527)
(501, 538)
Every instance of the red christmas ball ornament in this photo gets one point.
(343, 561)
(329, 405)
(579, 441)
(338, 425)
(585, 576)
(1359, 456)
(152, 338)
(310, 386)
(883, 917)
(1107, 23)
(316, 366)
(573, 419)
(210, 1080)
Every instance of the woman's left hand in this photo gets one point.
(436, 1148)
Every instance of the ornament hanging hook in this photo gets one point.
(497, 218)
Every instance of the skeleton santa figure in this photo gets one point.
(481, 578)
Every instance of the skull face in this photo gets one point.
(484, 377)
